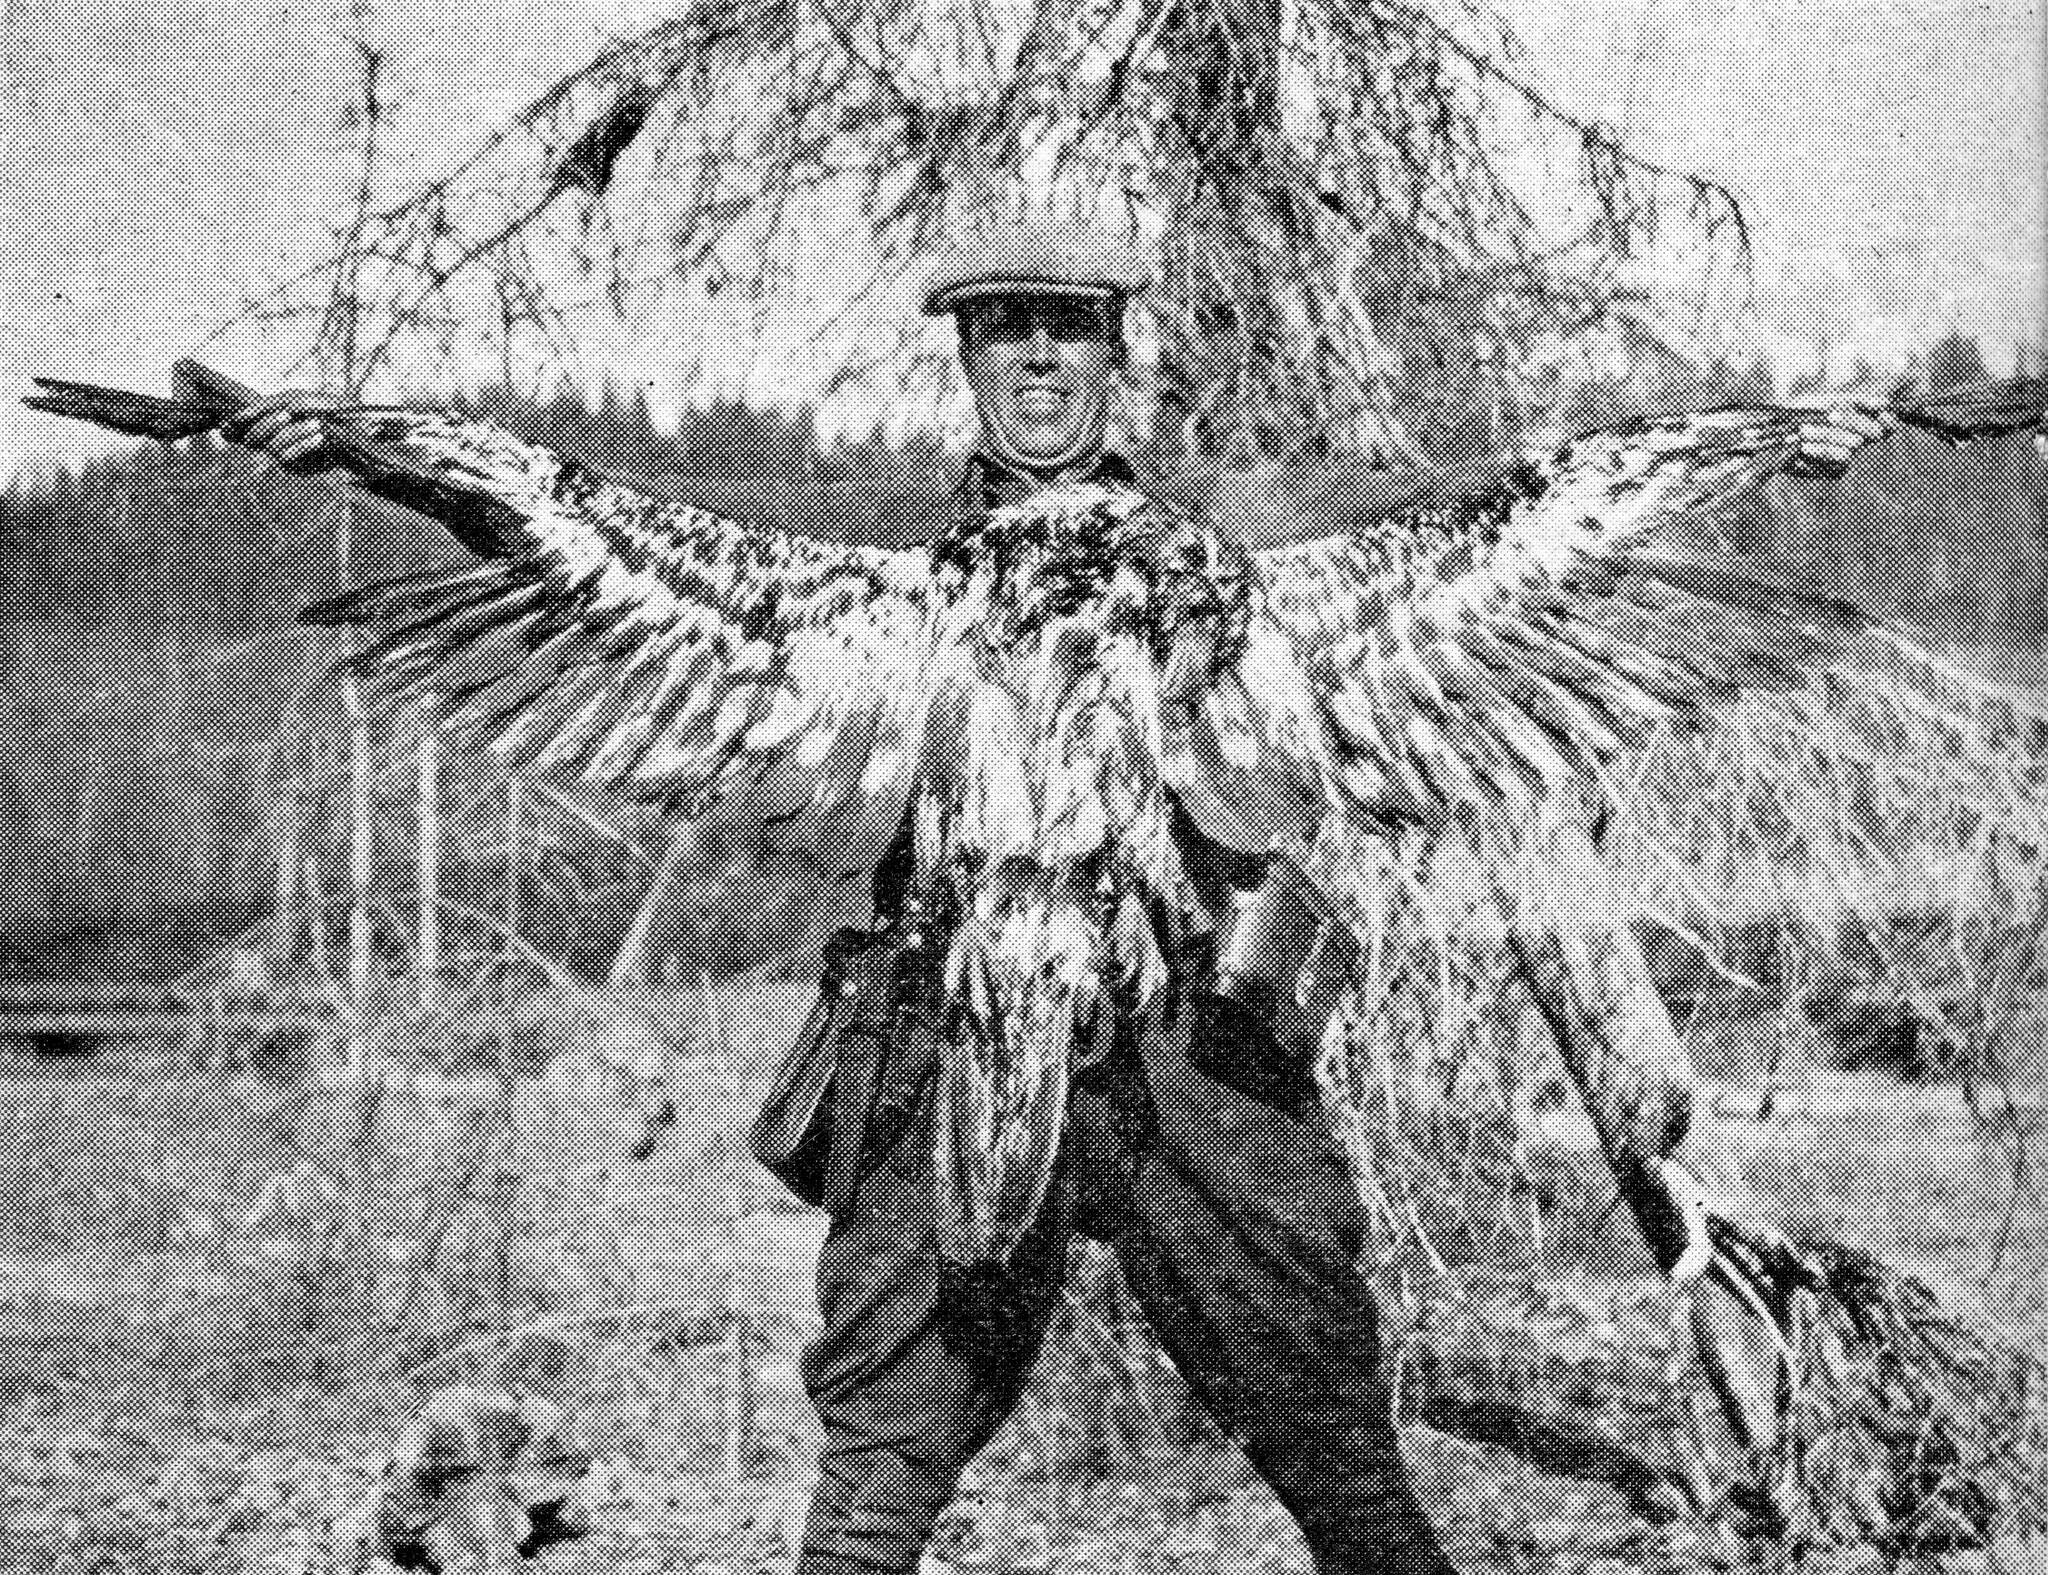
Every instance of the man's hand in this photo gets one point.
(287, 428)
(1829, 439)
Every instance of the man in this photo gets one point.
(1194, 1146)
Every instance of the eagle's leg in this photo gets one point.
(1574, 949)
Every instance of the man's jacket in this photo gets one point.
(869, 1053)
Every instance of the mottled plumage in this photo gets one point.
(1041, 687)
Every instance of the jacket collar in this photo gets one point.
(987, 483)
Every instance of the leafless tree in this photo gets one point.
(1357, 206)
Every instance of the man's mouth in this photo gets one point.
(1041, 403)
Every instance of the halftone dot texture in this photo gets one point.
(1033, 259)
(472, 1208)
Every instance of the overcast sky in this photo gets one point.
(162, 159)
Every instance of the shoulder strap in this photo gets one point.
(897, 869)
(866, 1033)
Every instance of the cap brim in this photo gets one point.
(955, 297)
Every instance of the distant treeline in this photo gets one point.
(149, 665)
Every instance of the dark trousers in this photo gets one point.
(1238, 1229)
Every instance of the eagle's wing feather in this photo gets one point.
(1492, 652)
(649, 646)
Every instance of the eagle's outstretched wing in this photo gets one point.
(1492, 652)
(649, 646)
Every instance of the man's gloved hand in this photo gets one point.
(287, 428)
(1829, 439)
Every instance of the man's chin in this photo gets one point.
(1053, 452)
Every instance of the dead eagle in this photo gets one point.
(1048, 696)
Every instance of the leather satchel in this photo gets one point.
(848, 1087)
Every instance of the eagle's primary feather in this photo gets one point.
(1046, 692)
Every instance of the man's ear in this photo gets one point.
(963, 328)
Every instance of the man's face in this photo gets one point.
(1042, 369)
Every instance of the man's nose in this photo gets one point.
(1040, 349)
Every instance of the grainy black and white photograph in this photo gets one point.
(1023, 787)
